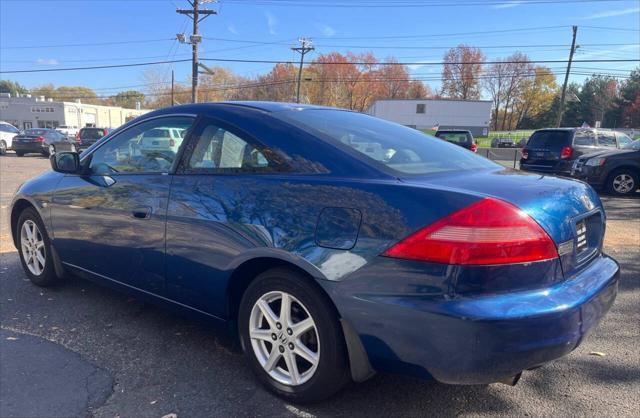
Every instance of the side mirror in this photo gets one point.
(65, 162)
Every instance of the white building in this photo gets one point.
(473, 115)
(26, 112)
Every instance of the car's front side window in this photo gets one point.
(623, 140)
(140, 149)
(217, 149)
(606, 139)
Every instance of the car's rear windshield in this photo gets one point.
(455, 137)
(91, 133)
(157, 133)
(396, 147)
(550, 140)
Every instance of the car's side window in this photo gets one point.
(149, 147)
(606, 139)
(217, 149)
(623, 139)
(584, 138)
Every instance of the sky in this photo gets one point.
(54, 34)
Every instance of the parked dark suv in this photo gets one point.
(616, 171)
(554, 150)
(89, 136)
(459, 137)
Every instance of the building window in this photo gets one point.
(51, 124)
(420, 108)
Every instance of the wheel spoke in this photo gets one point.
(261, 334)
(40, 258)
(301, 327)
(285, 310)
(292, 367)
(274, 356)
(304, 352)
(39, 245)
(28, 231)
(268, 313)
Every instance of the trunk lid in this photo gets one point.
(569, 211)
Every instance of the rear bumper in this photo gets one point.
(562, 168)
(29, 147)
(481, 339)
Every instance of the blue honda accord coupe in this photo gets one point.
(330, 244)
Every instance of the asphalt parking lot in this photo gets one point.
(84, 350)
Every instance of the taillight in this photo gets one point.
(172, 142)
(525, 154)
(566, 152)
(105, 132)
(487, 232)
(39, 139)
(474, 147)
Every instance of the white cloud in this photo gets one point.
(271, 23)
(231, 28)
(325, 29)
(507, 5)
(47, 61)
(429, 68)
(612, 13)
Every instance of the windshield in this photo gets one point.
(633, 145)
(549, 140)
(457, 137)
(401, 149)
(92, 133)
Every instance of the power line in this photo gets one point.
(407, 4)
(140, 64)
(87, 44)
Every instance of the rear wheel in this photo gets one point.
(3, 147)
(19, 154)
(35, 249)
(622, 182)
(51, 150)
(292, 337)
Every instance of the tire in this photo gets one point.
(324, 341)
(46, 276)
(3, 147)
(622, 182)
(19, 154)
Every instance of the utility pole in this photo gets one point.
(566, 77)
(197, 15)
(173, 100)
(305, 46)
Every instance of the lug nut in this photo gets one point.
(289, 331)
(291, 346)
(281, 348)
(274, 337)
(278, 325)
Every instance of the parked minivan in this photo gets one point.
(554, 150)
(460, 137)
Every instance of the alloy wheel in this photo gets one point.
(52, 149)
(623, 183)
(32, 245)
(286, 343)
(3, 148)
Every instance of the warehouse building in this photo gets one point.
(26, 112)
(473, 115)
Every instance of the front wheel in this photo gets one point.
(292, 338)
(3, 147)
(51, 150)
(622, 182)
(35, 249)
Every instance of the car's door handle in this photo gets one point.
(142, 213)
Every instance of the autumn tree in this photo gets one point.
(12, 87)
(461, 70)
(129, 99)
(418, 90)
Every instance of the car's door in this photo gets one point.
(215, 212)
(111, 221)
